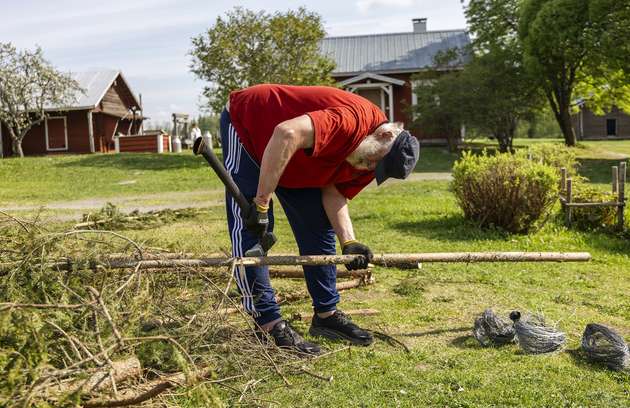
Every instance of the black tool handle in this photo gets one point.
(199, 147)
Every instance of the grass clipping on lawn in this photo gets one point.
(99, 337)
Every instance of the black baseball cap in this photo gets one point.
(401, 159)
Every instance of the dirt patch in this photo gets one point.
(173, 200)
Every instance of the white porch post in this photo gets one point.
(90, 132)
(390, 91)
(462, 132)
(160, 143)
(117, 144)
(383, 99)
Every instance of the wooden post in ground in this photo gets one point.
(569, 197)
(615, 179)
(563, 179)
(622, 196)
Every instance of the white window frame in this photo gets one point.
(65, 131)
(414, 84)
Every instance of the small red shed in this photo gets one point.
(107, 107)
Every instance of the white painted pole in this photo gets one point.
(391, 103)
(90, 131)
(117, 143)
(160, 143)
(207, 139)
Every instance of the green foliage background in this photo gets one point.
(246, 48)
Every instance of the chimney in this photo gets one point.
(419, 25)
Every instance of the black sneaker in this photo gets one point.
(339, 326)
(285, 337)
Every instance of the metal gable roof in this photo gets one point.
(390, 52)
(95, 84)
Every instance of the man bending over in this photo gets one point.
(315, 147)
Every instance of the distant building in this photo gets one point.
(107, 107)
(612, 125)
(379, 67)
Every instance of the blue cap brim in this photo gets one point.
(381, 173)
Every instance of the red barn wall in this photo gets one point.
(34, 143)
(78, 132)
(6, 140)
(107, 125)
(147, 143)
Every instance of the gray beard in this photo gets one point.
(368, 147)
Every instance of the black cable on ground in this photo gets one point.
(534, 337)
(491, 330)
(603, 345)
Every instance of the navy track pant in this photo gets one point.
(311, 228)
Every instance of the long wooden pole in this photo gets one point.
(386, 260)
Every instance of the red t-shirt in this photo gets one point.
(341, 120)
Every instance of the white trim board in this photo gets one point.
(65, 131)
(370, 75)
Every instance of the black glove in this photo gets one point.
(356, 248)
(256, 219)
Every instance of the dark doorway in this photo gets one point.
(611, 127)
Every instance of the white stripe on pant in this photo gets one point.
(232, 165)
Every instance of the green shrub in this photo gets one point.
(556, 155)
(592, 217)
(505, 191)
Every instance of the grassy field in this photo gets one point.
(431, 310)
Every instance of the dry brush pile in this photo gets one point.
(97, 336)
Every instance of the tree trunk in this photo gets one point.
(560, 101)
(17, 148)
(504, 141)
(564, 120)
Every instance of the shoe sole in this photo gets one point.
(335, 335)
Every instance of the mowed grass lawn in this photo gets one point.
(431, 309)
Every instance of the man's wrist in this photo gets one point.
(347, 242)
(262, 202)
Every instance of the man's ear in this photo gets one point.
(385, 135)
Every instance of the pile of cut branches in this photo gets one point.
(97, 337)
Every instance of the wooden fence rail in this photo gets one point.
(618, 188)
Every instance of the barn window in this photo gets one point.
(611, 127)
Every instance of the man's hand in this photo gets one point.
(354, 247)
(257, 219)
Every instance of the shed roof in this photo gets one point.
(95, 84)
(389, 53)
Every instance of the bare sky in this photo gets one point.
(149, 40)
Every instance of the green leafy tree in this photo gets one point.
(28, 85)
(580, 45)
(494, 24)
(247, 48)
(490, 95)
